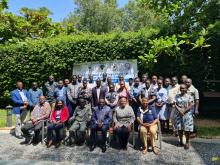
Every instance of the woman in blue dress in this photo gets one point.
(183, 119)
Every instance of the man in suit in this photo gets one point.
(97, 93)
(20, 99)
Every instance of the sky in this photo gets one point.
(60, 8)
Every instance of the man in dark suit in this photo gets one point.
(97, 92)
(20, 99)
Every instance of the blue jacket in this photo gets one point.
(61, 94)
(17, 100)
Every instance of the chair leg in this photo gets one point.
(42, 134)
(133, 136)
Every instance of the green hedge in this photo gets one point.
(35, 60)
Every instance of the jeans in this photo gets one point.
(59, 131)
(94, 129)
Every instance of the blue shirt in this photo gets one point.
(34, 95)
(102, 115)
(147, 116)
(61, 93)
(135, 91)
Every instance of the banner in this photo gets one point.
(128, 68)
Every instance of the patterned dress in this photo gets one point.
(185, 122)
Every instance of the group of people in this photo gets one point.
(103, 106)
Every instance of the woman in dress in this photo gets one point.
(183, 119)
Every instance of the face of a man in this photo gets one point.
(144, 103)
(167, 82)
(74, 79)
(183, 89)
(51, 79)
(121, 78)
(147, 84)
(101, 103)
(184, 78)
(98, 83)
(111, 88)
(154, 79)
(174, 81)
(188, 83)
(66, 81)
(42, 100)
(82, 103)
(84, 84)
(60, 84)
(19, 85)
(79, 78)
(144, 78)
(160, 83)
(109, 80)
(90, 77)
(34, 85)
(137, 82)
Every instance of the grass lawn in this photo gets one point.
(3, 118)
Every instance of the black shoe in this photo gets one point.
(58, 145)
(103, 149)
(92, 147)
(30, 140)
(19, 137)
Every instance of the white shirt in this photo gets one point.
(23, 97)
(98, 92)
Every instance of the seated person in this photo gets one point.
(123, 119)
(40, 112)
(58, 118)
(147, 118)
(81, 116)
(101, 118)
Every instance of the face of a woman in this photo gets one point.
(59, 104)
(182, 89)
(123, 102)
(122, 84)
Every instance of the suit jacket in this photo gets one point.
(95, 100)
(17, 100)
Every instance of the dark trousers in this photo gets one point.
(94, 129)
(123, 134)
(59, 132)
(71, 107)
(135, 108)
(30, 126)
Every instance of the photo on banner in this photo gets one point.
(128, 68)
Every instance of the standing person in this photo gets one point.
(183, 119)
(167, 84)
(20, 99)
(194, 93)
(79, 121)
(58, 118)
(97, 93)
(66, 82)
(91, 83)
(104, 82)
(174, 90)
(34, 95)
(109, 82)
(111, 97)
(123, 119)
(61, 92)
(123, 91)
(101, 119)
(80, 80)
(145, 92)
(143, 80)
(154, 85)
(85, 92)
(183, 79)
(161, 105)
(121, 78)
(135, 93)
(148, 123)
(130, 83)
(40, 112)
(49, 89)
(72, 94)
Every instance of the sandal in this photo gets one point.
(144, 151)
(156, 151)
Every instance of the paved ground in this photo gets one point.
(12, 152)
